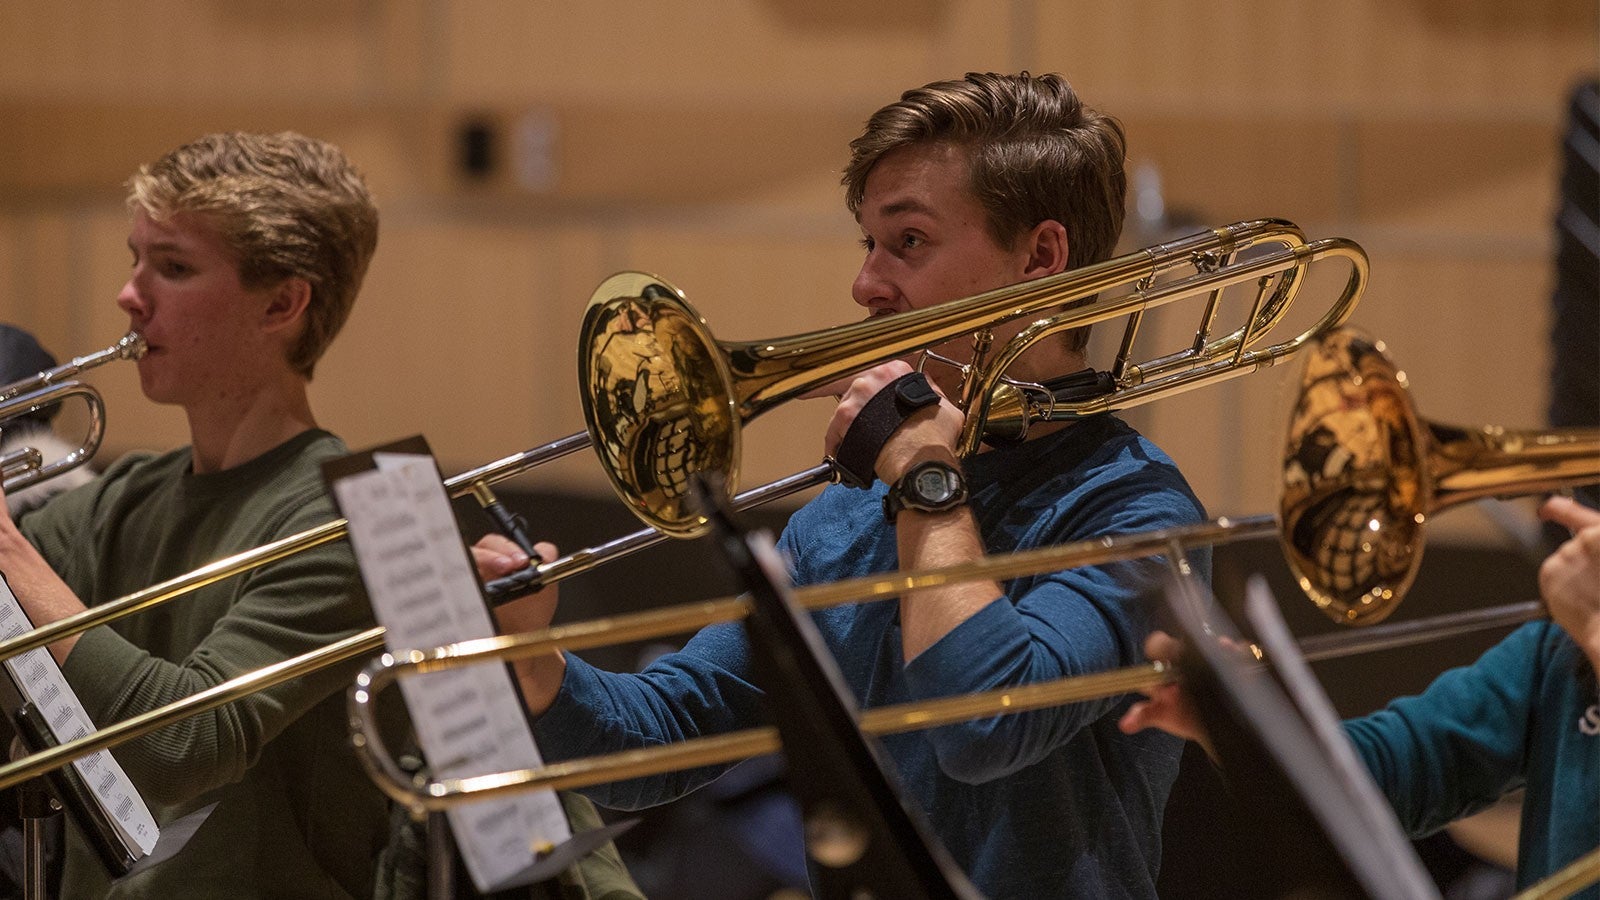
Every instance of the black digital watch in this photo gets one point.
(933, 486)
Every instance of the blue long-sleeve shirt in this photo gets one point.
(1524, 715)
(1046, 804)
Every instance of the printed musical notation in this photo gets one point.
(469, 721)
(39, 681)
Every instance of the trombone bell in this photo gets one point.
(1353, 495)
(659, 398)
(1362, 473)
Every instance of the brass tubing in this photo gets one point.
(229, 566)
(587, 558)
(1471, 464)
(683, 617)
(364, 643)
(35, 468)
(36, 764)
(767, 373)
(664, 399)
(53, 387)
(1221, 360)
(1572, 878)
(129, 346)
(435, 795)
(1403, 634)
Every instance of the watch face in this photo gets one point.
(934, 484)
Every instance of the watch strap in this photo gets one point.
(857, 455)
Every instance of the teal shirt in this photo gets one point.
(1524, 715)
(296, 815)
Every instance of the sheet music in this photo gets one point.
(40, 681)
(469, 720)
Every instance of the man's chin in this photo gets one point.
(157, 391)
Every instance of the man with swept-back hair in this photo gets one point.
(960, 187)
(1025, 165)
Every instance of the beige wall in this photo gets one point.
(701, 141)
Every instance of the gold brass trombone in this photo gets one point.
(664, 400)
(1012, 406)
(778, 368)
(25, 466)
(1362, 473)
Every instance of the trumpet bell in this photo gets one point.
(1355, 491)
(658, 399)
(53, 387)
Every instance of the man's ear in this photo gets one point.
(287, 306)
(1047, 249)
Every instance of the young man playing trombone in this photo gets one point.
(960, 187)
(248, 251)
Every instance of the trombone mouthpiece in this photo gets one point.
(131, 346)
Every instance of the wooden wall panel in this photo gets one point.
(1454, 179)
(703, 142)
(315, 50)
(1226, 169)
(1473, 334)
(722, 51)
(1352, 57)
(36, 270)
(445, 341)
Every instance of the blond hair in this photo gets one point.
(289, 206)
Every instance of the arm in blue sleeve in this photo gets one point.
(1073, 622)
(1459, 745)
(702, 690)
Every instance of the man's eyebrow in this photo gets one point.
(907, 205)
(163, 246)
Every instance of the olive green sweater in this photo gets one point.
(296, 816)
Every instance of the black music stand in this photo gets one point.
(862, 839)
(1300, 793)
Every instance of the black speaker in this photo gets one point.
(477, 151)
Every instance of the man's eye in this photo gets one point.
(910, 241)
(867, 244)
(175, 269)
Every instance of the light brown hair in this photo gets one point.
(1035, 152)
(288, 205)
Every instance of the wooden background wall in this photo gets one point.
(702, 140)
